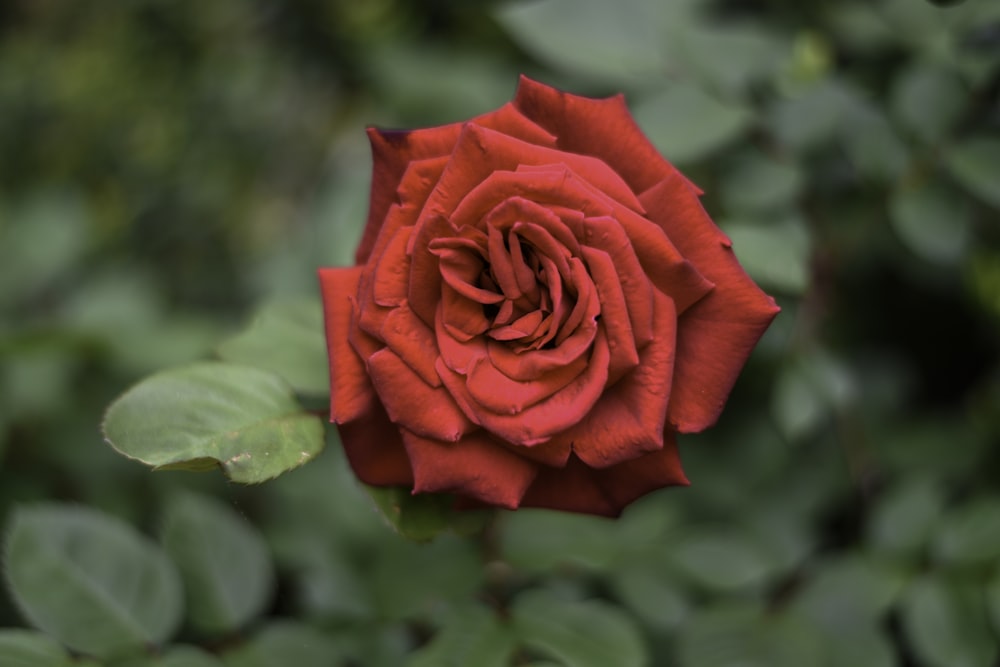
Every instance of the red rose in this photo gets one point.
(540, 304)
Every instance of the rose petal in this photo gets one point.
(480, 151)
(461, 317)
(413, 404)
(375, 450)
(603, 128)
(715, 337)
(615, 314)
(393, 151)
(541, 421)
(392, 272)
(407, 335)
(476, 467)
(518, 209)
(461, 271)
(351, 392)
(496, 392)
(424, 291)
(665, 265)
(532, 364)
(630, 416)
(577, 488)
(457, 354)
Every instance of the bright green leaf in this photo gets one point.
(933, 220)
(611, 41)
(27, 648)
(970, 534)
(286, 338)
(472, 635)
(286, 643)
(775, 255)
(947, 625)
(223, 562)
(975, 163)
(195, 417)
(90, 581)
(687, 124)
(580, 634)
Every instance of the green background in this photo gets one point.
(168, 166)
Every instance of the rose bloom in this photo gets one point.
(539, 305)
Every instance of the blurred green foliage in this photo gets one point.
(167, 165)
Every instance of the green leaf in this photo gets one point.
(905, 517)
(969, 535)
(946, 623)
(27, 648)
(975, 163)
(423, 516)
(593, 38)
(450, 571)
(285, 643)
(286, 338)
(928, 100)
(776, 255)
(651, 593)
(758, 182)
(993, 601)
(870, 142)
(542, 540)
(808, 119)
(722, 560)
(580, 634)
(176, 656)
(741, 636)
(808, 389)
(933, 220)
(224, 564)
(847, 594)
(472, 635)
(90, 581)
(195, 417)
(687, 124)
(44, 236)
(726, 57)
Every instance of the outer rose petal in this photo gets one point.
(351, 392)
(375, 451)
(577, 488)
(476, 467)
(717, 334)
(602, 128)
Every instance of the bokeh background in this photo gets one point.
(168, 166)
